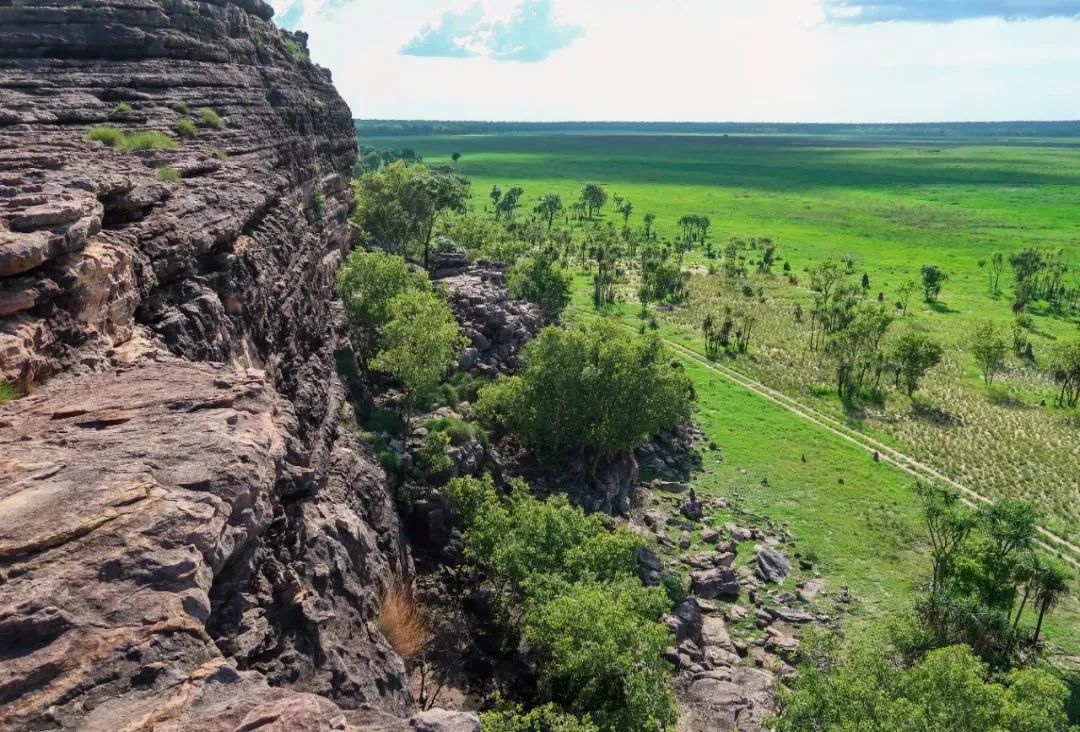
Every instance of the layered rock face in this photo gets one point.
(186, 539)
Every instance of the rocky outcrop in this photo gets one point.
(187, 538)
(496, 326)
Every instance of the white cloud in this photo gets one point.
(777, 60)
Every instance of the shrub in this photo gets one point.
(219, 153)
(318, 204)
(186, 128)
(458, 429)
(401, 621)
(595, 388)
(180, 108)
(122, 108)
(542, 280)
(571, 584)
(166, 173)
(366, 283)
(547, 718)
(106, 135)
(432, 457)
(211, 118)
(295, 49)
(868, 686)
(7, 391)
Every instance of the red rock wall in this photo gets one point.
(183, 524)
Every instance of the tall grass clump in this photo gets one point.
(7, 392)
(142, 140)
(105, 134)
(401, 621)
(186, 128)
(211, 118)
(122, 108)
(167, 173)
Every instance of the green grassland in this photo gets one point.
(890, 206)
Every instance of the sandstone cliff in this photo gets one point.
(186, 539)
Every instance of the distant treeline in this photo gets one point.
(929, 130)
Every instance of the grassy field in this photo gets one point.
(890, 206)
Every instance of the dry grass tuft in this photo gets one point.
(401, 620)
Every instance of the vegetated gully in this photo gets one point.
(1049, 541)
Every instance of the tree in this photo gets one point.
(948, 524)
(595, 389)
(1065, 369)
(648, 220)
(568, 585)
(542, 280)
(905, 293)
(456, 157)
(1051, 584)
(419, 343)
(989, 349)
(914, 354)
(625, 207)
(933, 278)
(997, 266)
(510, 201)
(495, 195)
(429, 196)
(856, 349)
(868, 685)
(593, 196)
(549, 206)
(366, 284)
(398, 207)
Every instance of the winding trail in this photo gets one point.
(1049, 541)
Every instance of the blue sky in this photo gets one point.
(703, 60)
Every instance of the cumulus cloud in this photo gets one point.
(947, 11)
(531, 34)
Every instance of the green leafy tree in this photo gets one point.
(914, 354)
(933, 277)
(1065, 369)
(366, 284)
(601, 650)
(595, 388)
(567, 584)
(989, 348)
(593, 196)
(510, 202)
(399, 206)
(648, 220)
(420, 341)
(542, 280)
(625, 209)
(549, 206)
(869, 686)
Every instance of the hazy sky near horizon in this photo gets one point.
(701, 60)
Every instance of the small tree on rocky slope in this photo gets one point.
(596, 390)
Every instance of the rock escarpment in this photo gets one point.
(187, 539)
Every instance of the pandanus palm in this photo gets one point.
(1052, 582)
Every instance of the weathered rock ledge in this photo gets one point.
(187, 541)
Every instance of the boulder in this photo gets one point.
(771, 565)
(717, 582)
